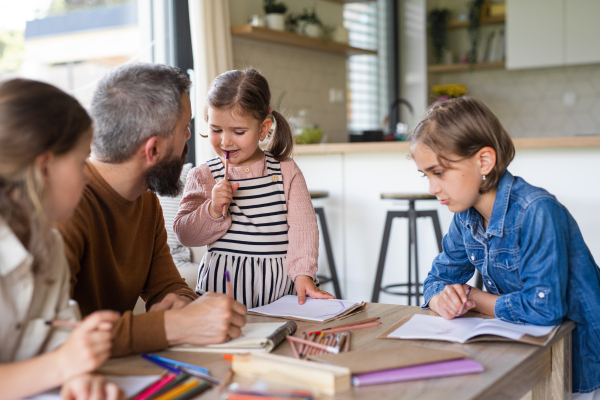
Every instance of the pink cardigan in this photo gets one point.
(194, 226)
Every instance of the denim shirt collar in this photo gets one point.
(496, 225)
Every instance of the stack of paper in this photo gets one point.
(319, 310)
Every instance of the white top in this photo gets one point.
(27, 300)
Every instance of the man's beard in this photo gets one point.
(164, 178)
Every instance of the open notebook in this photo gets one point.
(317, 310)
(256, 338)
(466, 330)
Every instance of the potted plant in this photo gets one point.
(447, 92)
(438, 31)
(309, 24)
(274, 14)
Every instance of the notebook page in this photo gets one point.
(437, 328)
(508, 330)
(313, 309)
(253, 335)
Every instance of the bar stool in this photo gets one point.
(321, 215)
(412, 216)
(413, 286)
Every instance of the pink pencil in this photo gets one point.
(226, 177)
(315, 345)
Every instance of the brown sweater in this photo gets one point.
(117, 250)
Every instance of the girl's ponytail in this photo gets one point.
(282, 142)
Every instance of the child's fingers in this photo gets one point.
(97, 319)
(301, 295)
(449, 303)
(235, 187)
(460, 291)
(453, 296)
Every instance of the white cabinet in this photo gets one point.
(534, 33)
(549, 33)
(582, 45)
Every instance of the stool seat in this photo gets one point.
(318, 194)
(407, 196)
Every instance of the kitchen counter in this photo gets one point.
(392, 147)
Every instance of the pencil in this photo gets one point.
(347, 328)
(229, 288)
(364, 321)
(294, 350)
(316, 345)
(226, 177)
(301, 346)
(306, 350)
(347, 345)
(178, 363)
(340, 344)
(226, 381)
(56, 323)
(161, 364)
(462, 308)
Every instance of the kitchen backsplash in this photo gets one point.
(306, 76)
(546, 102)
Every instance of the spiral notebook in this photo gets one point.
(256, 338)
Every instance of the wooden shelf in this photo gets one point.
(484, 21)
(294, 40)
(442, 68)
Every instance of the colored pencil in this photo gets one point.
(226, 177)
(175, 382)
(201, 375)
(300, 347)
(340, 344)
(179, 390)
(161, 364)
(349, 328)
(462, 308)
(226, 381)
(347, 344)
(229, 287)
(294, 350)
(178, 363)
(364, 321)
(62, 324)
(316, 345)
(165, 380)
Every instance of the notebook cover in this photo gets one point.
(537, 341)
(363, 361)
(427, 371)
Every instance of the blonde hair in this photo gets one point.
(461, 127)
(35, 118)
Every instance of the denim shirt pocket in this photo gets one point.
(507, 262)
(476, 254)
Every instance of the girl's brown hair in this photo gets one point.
(247, 91)
(35, 118)
(460, 128)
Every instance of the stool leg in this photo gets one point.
(382, 255)
(334, 278)
(437, 228)
(413, 242)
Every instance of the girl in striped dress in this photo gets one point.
(258, 221)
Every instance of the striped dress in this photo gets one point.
(254, 248)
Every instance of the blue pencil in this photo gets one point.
(161, 364)
(178, 363)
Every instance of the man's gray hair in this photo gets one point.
(133, 103)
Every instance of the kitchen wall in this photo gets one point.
(305, 76)
(545, 102)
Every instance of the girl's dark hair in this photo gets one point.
(248, 92)
(35, 118)
(461, 127)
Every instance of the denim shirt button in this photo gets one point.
(541, 295)
(472, 256)
(489, 283)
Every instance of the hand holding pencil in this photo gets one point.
(88, 345)
(222, 194)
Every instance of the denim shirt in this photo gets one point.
(532, 255)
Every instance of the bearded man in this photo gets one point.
(116, 242)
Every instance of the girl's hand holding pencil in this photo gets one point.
(453, 301)
(88, 345)
(222, 196)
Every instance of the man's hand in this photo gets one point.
(306, 287)
(449, 301)
(171, 302)
(213, 318)
(88, 386)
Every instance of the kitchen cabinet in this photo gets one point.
(535, 32)
(550, 33)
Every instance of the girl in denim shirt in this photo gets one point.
(528, 248)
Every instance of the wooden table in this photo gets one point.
(511, 369)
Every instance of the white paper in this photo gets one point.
(462, 329)
(253, 335)
(313, 309)
(130, 384)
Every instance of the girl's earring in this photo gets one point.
(484, 177)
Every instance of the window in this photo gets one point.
(367, 74)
